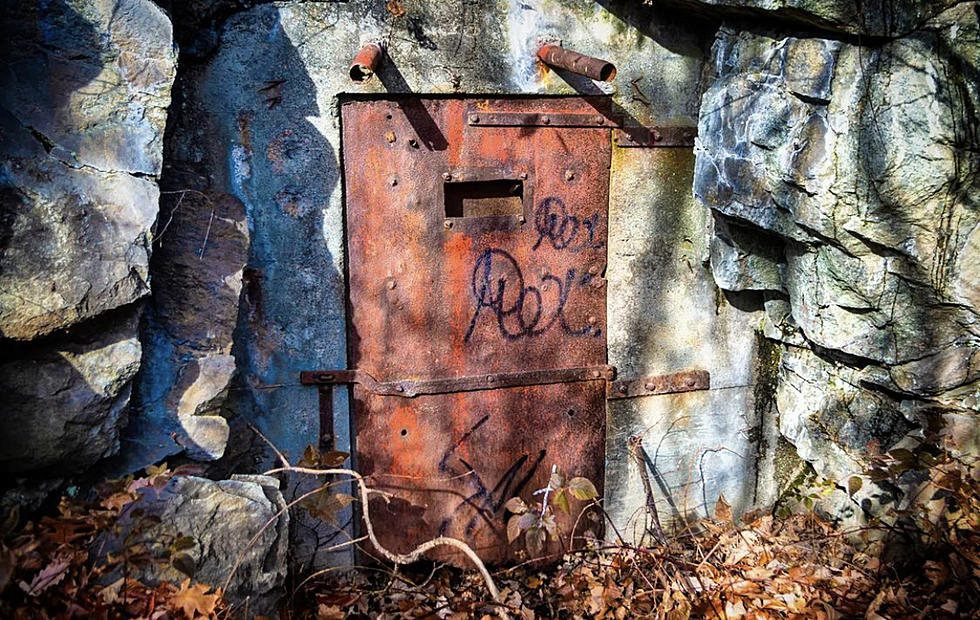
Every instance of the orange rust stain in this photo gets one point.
(459, 255)
(411, 458)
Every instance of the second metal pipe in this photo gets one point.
(594, 68)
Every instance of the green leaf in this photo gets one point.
(582, 488)
(903, 456)
(557, 481)
(561, 500)
(527, 520)
(185, 563)
(515, 505)
(854, 485)
(550, 525)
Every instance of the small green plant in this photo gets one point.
(537, 522)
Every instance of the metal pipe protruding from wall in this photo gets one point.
(366, 62)
(595, 68)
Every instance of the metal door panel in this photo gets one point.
(453, 460)
(436, 296)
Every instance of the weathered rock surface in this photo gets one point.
(845, 184)
(884, 18)
(858, 159)
(216, 521)
(198, 264)
(63, 402)
(83, 104)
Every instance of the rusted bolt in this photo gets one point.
(622, 389)
(521, 219)
(594, 270)
(399, 388)
(689, 382)
(474, 118)
(522, 175)
(413, 143)
(390, 137)
(649, 386)
(592, 320)
(448, 224)
(599, 120)
(596, 374)
(544, 119)
(656, 136)
(569, 175)
(446, 176)
(391, 284)
(489, 378)
(393, 181)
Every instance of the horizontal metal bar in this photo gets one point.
(684, 381)
(410, 388)
(490, 118)
(655, 137)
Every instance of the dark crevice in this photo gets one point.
(45, 141)
(87, 330)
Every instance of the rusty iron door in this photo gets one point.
(477, 247)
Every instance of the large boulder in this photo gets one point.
(197, 266)
(83, 104)
(204, 530)
(63, 403)
(860, 162)
(877, 18)
(845, 183)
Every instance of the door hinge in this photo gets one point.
(655, 137)
(684, 381)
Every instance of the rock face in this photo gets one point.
(64, 402)
(198, 264)
(83, 105)
(216, 522)
(880, 18)
(844, 180)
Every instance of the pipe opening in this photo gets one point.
(360, 73)
(366, 63)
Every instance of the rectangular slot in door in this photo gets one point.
(501, 197)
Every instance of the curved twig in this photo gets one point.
(391, 556)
